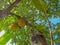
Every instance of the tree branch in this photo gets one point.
(50, 29)
(51, 36)
(4, 12)
(12, 5)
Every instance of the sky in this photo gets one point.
(55, 20)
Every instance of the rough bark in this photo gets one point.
(4, 12)
(38, 39)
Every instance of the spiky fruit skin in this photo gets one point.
(13, 26)
(21, 22)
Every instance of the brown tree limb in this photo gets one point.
(4, 12)
(51, 37)
(38, 38)
(50, 29)
(12, 5)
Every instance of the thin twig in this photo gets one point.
(50, 29)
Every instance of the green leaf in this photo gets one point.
(57, 40)
(57, 30)
(4, 39)
(40, 27)
(39, 4)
